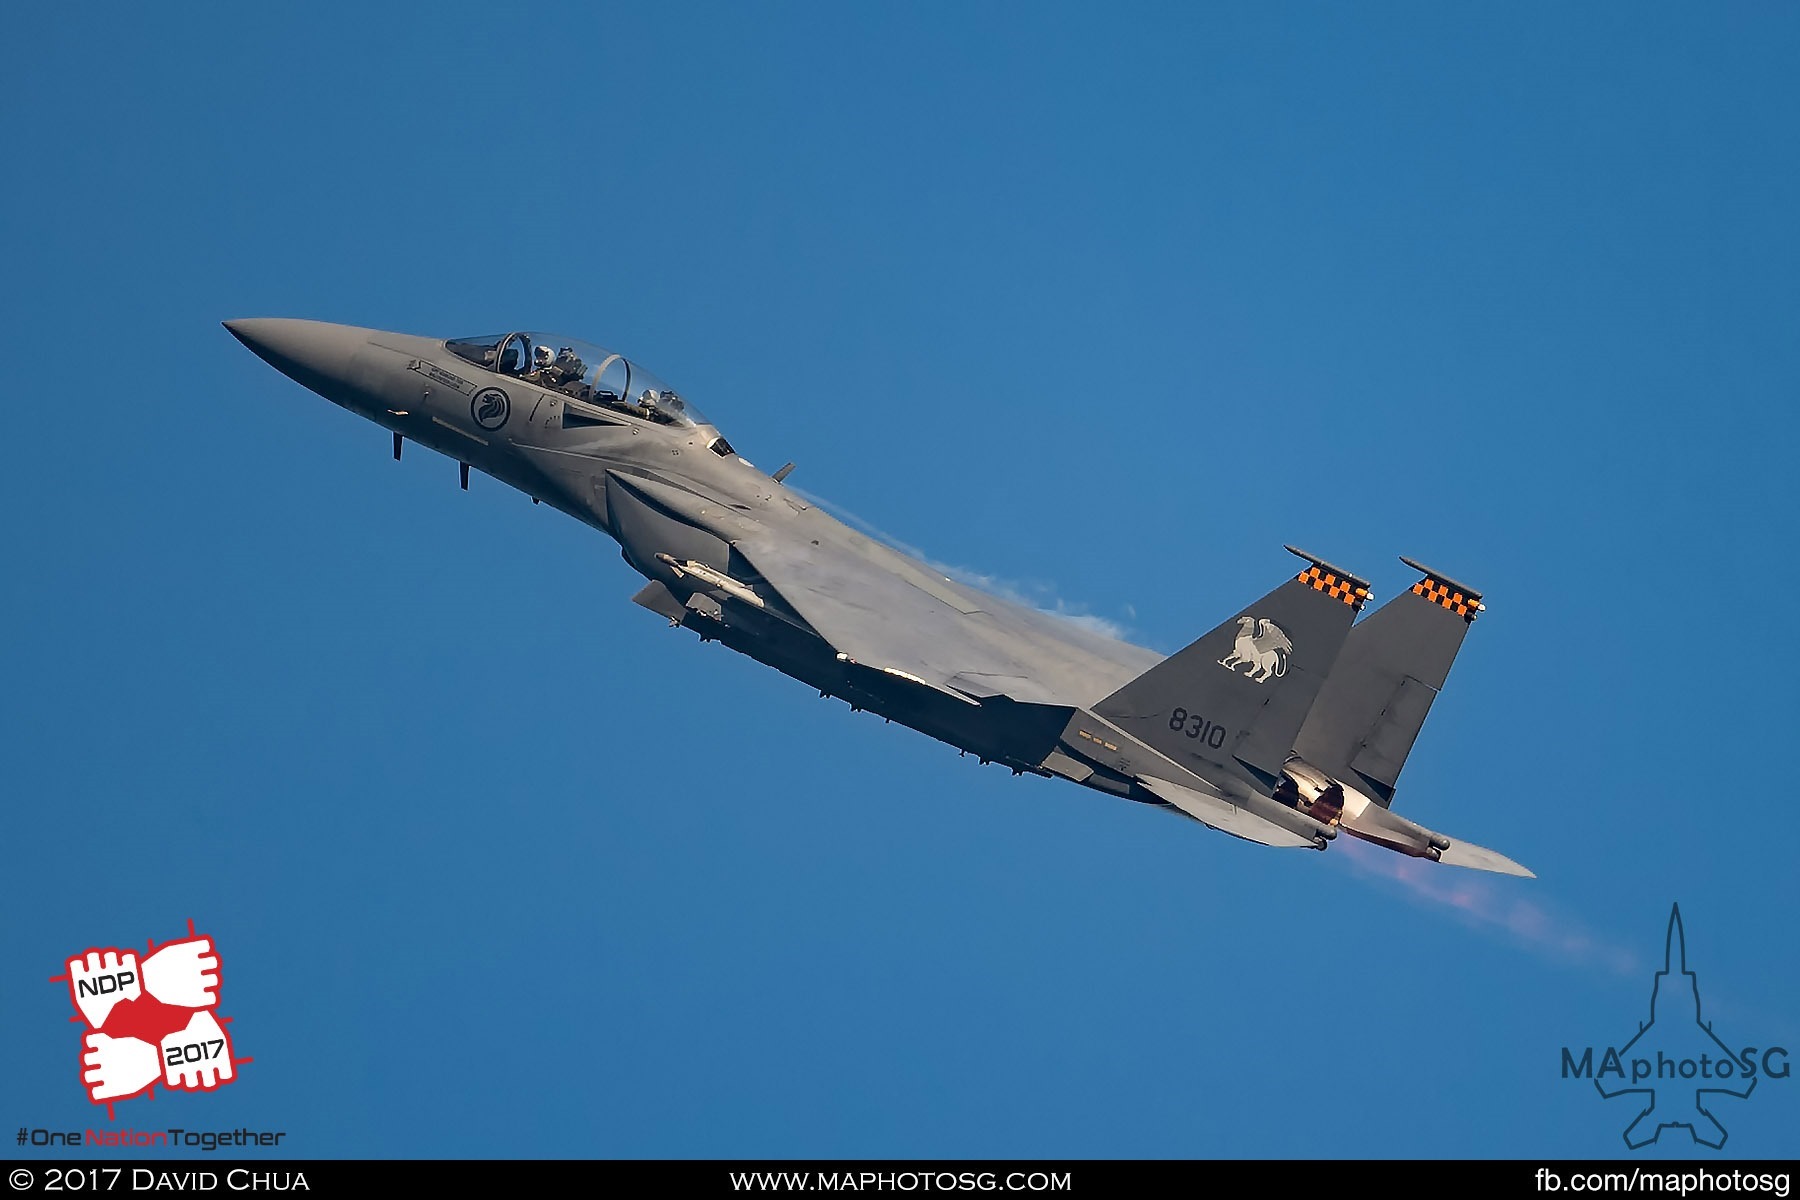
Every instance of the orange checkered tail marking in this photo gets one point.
(1335, 582)
(1445, 592)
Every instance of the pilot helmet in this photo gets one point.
(541, 356)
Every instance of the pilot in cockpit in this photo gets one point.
(541, 359)
(568, 368)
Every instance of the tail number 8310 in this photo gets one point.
(1197, 727)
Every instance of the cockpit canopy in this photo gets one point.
(581, 370)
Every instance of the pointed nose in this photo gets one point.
(315, 354)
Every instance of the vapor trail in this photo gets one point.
(1486, 904)
(1039, 596)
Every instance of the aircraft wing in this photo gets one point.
(887, 613)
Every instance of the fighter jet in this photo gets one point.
(1286, 725)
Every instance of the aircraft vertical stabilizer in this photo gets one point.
(1394, 663)
(1240, 693)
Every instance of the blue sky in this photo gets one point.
(1107, 304)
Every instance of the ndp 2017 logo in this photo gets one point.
(150, 1020)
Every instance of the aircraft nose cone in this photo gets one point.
(313, 344)
(316, 354)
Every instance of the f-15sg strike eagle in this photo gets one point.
(1285, 725)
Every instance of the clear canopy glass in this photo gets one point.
(582, 370)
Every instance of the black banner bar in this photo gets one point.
(231, 1174)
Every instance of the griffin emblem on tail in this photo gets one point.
(1262, 646)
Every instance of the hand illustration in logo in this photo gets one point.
(150, 1022)
(198, 1056)
(118, 1067)
(101, 981)
(184, 973)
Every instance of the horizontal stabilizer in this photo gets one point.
(1480, 858)
(1221, 814)
(1384, 828)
